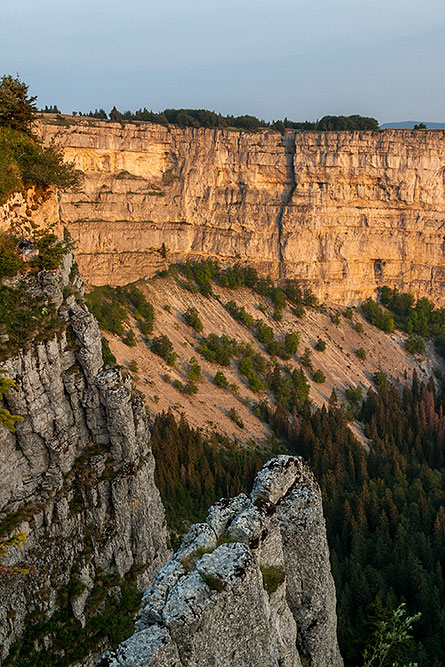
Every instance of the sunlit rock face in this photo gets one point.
(344, 212)
(250, 587)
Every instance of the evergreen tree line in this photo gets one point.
(211, 119)
(193, 471)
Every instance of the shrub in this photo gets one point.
(264, 332)
(415, 344)
(277, 314)
(51, 252)
(10, 262)
(162, 346)
(291, 342)
(276, 349)
(336, 319)
(107, 356)
(192, 318)
(129, 338)
(306, 358)
(23, 318)
(214, 582)
(380, 378)
(348, 313)
(171, 359)
(218, 350)
(190, 388)
(361, 353)
(24, 162)
(255, 383)
(221, 380)
(194, 372)
(239, 313)
(246, 366)
(7, 420)
(377, 316)
(235, 417)
(354, 395)
(111, 306)
(133, 367)
(298, 310)
(319, 377)
(320, 345)
(359, 327)
(202, 273)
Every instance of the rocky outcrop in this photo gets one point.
(343, 212)
(251, 586)
(25, 212)
(77, 477)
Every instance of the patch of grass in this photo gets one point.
(214, 582)
(272, 577)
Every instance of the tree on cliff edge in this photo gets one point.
(16, 108)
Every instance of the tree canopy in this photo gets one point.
(16, 108)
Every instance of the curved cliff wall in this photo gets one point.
(344, 212)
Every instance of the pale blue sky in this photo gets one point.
(303, 60)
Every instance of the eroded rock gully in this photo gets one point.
(344, 212)
(251, 586)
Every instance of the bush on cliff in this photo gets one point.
(23, 161)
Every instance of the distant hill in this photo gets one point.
(409, 124)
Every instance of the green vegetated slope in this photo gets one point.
(384, 503)
(25, 315)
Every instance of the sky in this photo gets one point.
(303, 60)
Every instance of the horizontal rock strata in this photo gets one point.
(343, 212)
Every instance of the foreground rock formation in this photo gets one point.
(250, 587)
(77, 477)
(344, 212)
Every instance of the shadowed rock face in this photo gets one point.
(250, 587)
(343, 212)
(77, 475)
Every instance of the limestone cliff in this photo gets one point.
(251, 586)
(77, 477)
(344, 212)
